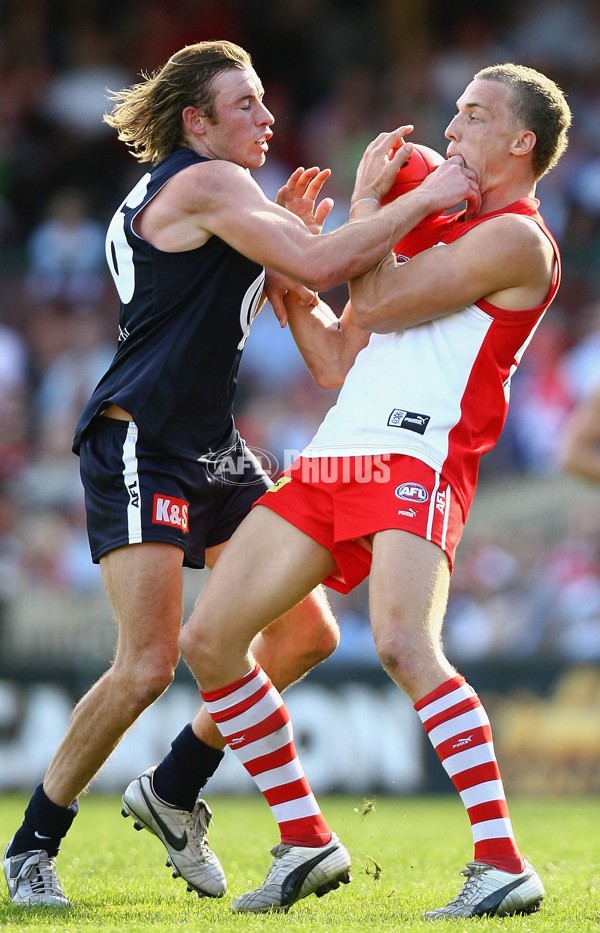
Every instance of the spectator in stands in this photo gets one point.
(580, 453)
(66, 252)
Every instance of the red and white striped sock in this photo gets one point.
(255, 723)
(460, 732)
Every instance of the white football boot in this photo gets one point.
(296, 872)
(488, 891)
(184, 834)
(32, 880)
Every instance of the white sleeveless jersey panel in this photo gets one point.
(385, 404)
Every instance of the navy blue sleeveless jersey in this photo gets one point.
(184, 319)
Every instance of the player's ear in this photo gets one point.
(193, 120)
(525, 142)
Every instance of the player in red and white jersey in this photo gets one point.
(426, 350)
(439, 390)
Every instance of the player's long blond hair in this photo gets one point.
(147, 116)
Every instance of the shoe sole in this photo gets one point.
(33, 904)
(522, 911)
(333, 884)
(531, 908)
(497, 911)
(139, 824)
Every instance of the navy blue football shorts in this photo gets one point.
(136, 493)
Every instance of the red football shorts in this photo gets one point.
(341, 501)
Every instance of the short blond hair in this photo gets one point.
(539, 105)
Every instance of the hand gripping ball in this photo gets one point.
(411, 173)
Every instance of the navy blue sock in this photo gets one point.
(44, 826)
(184, 771)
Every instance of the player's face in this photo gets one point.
(240, 128)
(483, 129)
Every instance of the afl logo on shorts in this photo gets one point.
(412, 492)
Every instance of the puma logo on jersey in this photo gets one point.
(409, 420)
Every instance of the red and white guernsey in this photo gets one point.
(438, 391)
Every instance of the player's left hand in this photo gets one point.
(277, 286)
(299, 195)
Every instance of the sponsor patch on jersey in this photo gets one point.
(282, 481)
(409, 420)
(412, 492)
(167, 510)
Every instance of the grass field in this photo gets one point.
(406, 857)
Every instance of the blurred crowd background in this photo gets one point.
(336, 73)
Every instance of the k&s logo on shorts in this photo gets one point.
(412, 492)
(167, 510)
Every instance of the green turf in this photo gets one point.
(406, 857)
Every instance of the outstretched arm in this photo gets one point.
(299, 195)
(220, 198)
(328, 345)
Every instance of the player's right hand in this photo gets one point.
(451, 184)
(299, 195)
